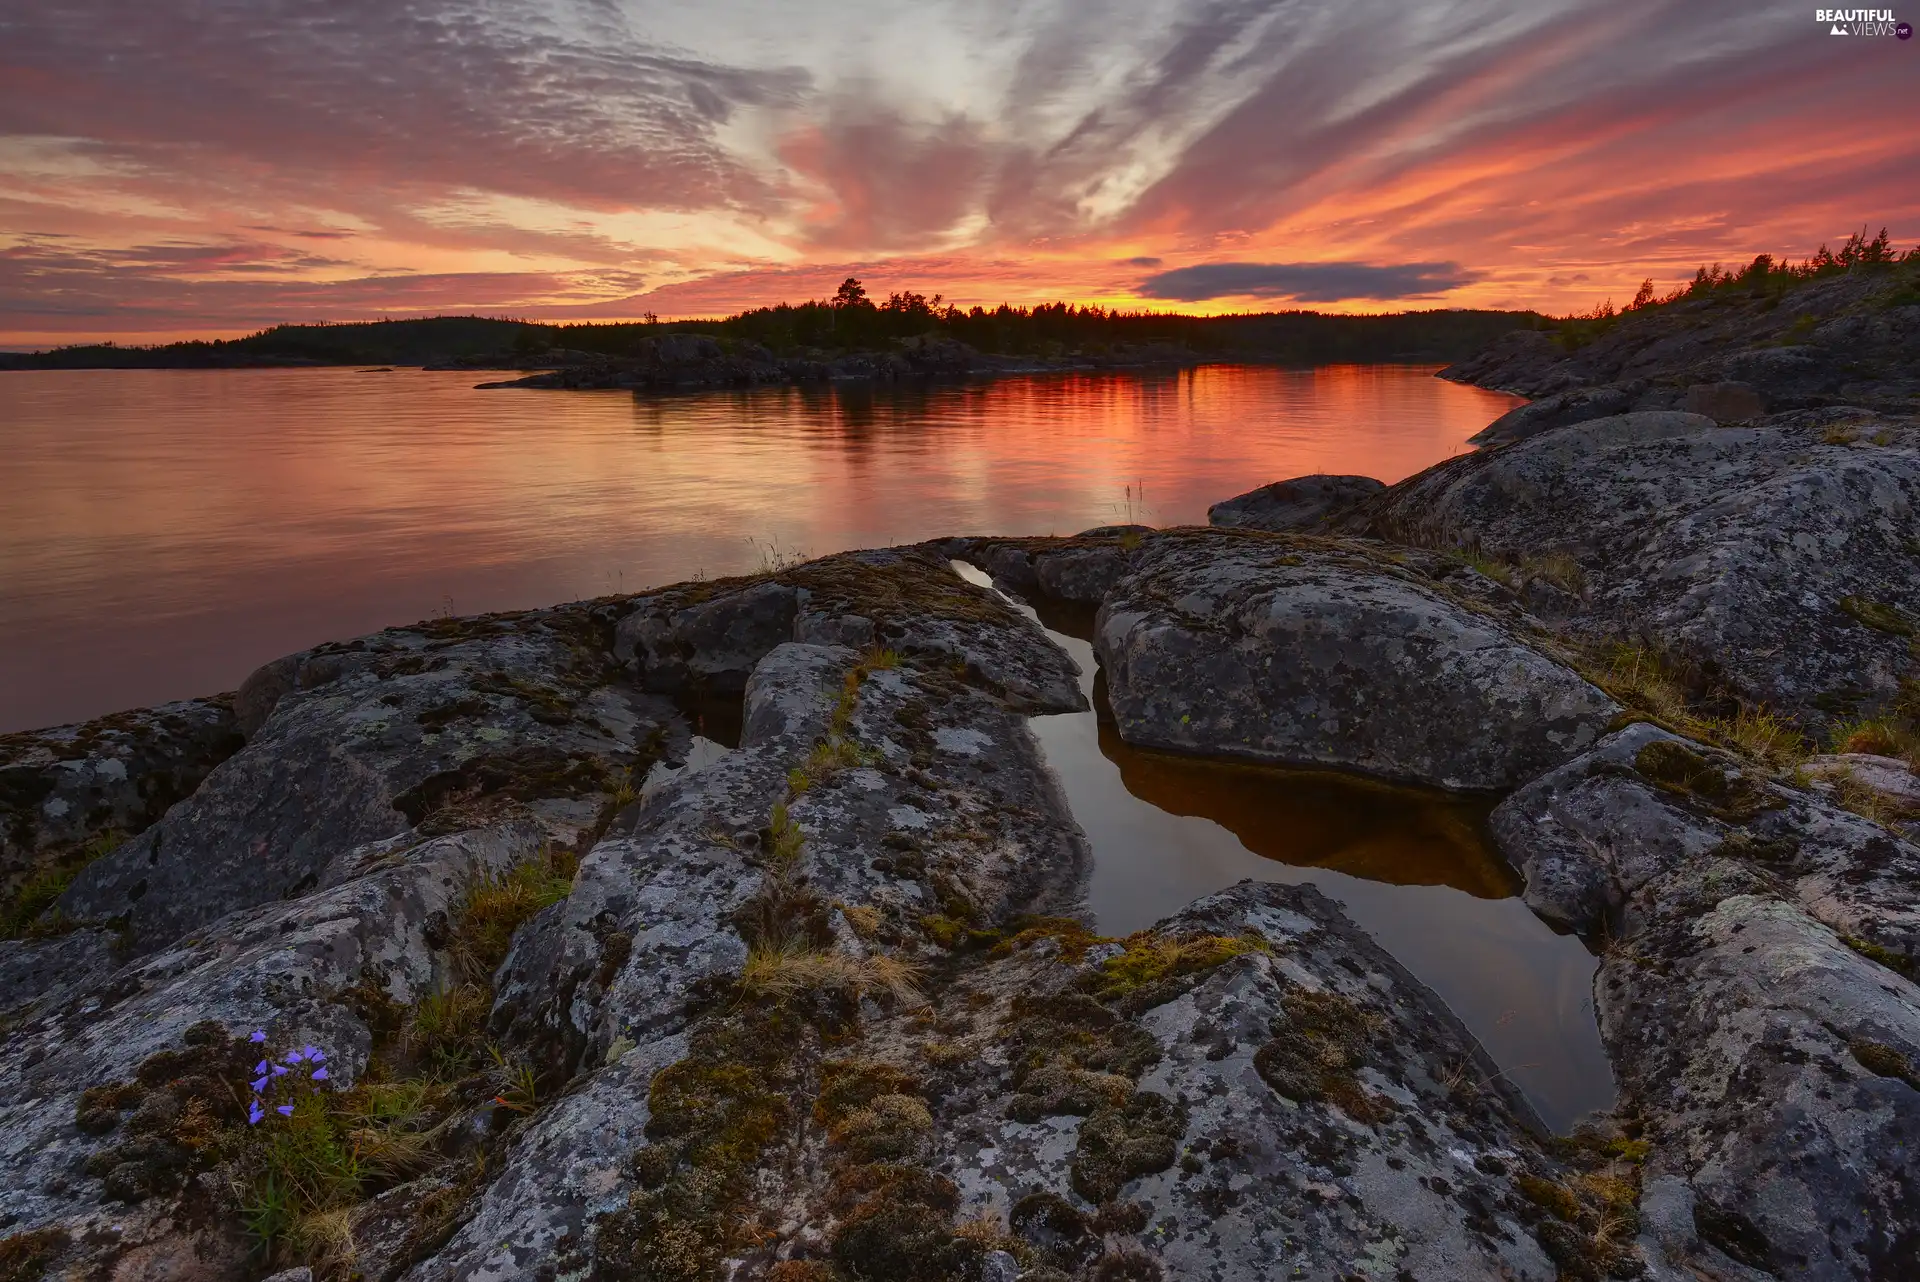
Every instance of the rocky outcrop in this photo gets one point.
(357, 871)
(1712, 544)
(71, 793)
(1756, 992)
(374, 737)
(1298, 504)
(1306, 653)
(1845, 339)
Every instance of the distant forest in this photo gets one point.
(848, 322)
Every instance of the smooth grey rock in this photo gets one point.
(1549, 412)
(1716, 544)
(1297, 504)
(1725, 402)
(712, 644)
(1738, 994)
(999, 1266)
(1080, 575)
(1255, 648)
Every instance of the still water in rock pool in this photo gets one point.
(1411, 867)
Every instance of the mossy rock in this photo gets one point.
(899, 1228)
(1116, 1145)
(28, 1257)
(1877, 615)
(1054, 1228)
(1678, 770)
(1883, 1060)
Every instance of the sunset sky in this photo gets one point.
(202, 167)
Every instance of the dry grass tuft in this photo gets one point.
(788, 969)
(496, 905)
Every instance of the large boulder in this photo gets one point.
(1311, 653)
(1285, 1100)
(1549, 412)
(1775, 557)
(1297, 504)
(1756, 994)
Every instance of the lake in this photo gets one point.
(164, 532)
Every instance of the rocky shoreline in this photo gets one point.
(593, 998)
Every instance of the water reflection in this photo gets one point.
(1411, 867)
(1319, 819)
(163, 532)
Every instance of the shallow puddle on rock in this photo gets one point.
(1411, 867)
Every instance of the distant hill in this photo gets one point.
(1048, 332)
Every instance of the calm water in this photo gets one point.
(164, 532)
(1412, 868)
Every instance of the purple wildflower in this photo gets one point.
(254, 1114)
(259, 1084)
(261, 1067)
(278, 1071)
(285, 1110)
(319, 1074)
(315, 1056)
(258, 1036)
(293, 1057)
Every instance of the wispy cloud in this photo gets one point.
(1306, 282)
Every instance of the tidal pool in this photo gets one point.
(1412, 867)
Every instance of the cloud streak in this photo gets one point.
(1306, 282)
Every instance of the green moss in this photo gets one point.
(1072, 1055)
(28, 1257)
(1680, 771)
(1152, 959)
(899, 1228)
(29, 912)
(184, 1115)
(1743, 844)
(498, 904)
(848, 1085)
(712, 1117)
(1317, 1042)
(1123, 1142)
(1905, 965)
(1550, 1196)
(1877, 615)
(1883, 1060)
(1073, 937)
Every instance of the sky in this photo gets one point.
(174, 168)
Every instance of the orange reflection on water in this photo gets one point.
(166, 531)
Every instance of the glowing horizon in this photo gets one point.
(167, 175)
